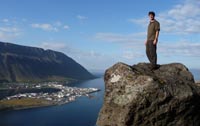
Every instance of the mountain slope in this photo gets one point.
(23, 64)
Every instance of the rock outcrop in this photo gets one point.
(137, 96)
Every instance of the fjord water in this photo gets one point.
(82, 112)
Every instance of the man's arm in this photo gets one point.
(157, 28)
(156, 37)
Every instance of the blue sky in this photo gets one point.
(98, 34)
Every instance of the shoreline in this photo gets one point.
(19, 104)
(24, 108)
(43, 103)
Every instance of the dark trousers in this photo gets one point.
(151, 53)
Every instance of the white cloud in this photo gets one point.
(24, 20)
(9, 33)
(13, 22)
(9, 29)
(66, 27)
(142, 21)
(5, 20)
(50, 27)
(46, 27)
(190, 8)
(132, 46)
(88, 58)
(8, 36)
(186, 49)
(53, 45)
(120, 38)
(130, 54)
(81, 17)
(62, 46)
(181, 19)
(58, 23)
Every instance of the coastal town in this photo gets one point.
(64, 94)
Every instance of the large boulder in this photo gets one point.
(135, 95)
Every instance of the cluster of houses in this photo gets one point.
(64, 95)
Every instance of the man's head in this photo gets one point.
(151, 15)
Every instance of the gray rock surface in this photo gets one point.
(135, 95)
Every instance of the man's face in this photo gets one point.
(151, 17)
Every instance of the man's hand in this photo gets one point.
(145, 42)
(155, 41)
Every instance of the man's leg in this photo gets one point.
(148, 53)
(151, 53)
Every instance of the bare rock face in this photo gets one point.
(135, 95)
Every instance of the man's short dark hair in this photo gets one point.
(152, 13)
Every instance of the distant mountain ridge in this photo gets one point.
(23, 64)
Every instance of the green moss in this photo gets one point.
(24, 103)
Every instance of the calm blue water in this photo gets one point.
(196, 73)
(82, 112)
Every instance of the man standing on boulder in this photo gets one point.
(152, 40)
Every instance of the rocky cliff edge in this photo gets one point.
(135, 95)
